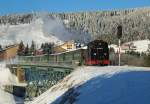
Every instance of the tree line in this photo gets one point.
(45, 48)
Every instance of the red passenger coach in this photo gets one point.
(98, 53)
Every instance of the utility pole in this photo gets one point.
(119, 35)
(119, 54)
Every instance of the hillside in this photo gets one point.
(101, 24)
(100, 85)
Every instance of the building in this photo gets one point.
(67, 46)
(8, 52)
(129, 46)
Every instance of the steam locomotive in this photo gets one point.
(97, 53)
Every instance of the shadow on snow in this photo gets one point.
(123, 88)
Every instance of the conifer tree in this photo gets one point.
(42, 46)
(1, 47)
(26, 50)
(32, 48)
(47, 48)
(21, 49)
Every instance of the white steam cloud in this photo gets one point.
(42, 29)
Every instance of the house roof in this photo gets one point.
(8, 47)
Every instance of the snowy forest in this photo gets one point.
(99, 24)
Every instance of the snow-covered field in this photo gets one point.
(101, 85)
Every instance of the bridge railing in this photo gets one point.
(50, 63)
(73, 58)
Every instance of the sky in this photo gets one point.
(23, 6)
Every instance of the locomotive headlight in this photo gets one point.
(105, 54)
(94, 54)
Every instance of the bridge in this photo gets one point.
(39, 76)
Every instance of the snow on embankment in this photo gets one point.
(101, 85)
(7, 78)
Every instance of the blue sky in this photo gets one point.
(21, 6)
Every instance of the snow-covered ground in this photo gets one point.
(101, 85)
(141, 46)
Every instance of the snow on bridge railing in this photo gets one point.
(50, 63)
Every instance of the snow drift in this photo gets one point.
(101, 85)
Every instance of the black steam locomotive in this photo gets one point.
(98, 53)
